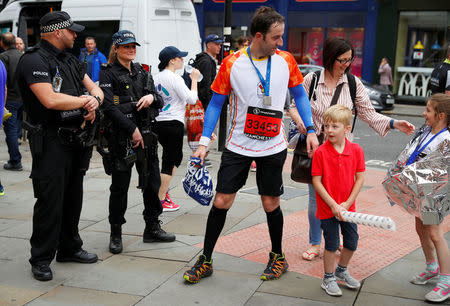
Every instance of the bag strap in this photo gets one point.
(352, 87)
(314, 83)
(337, 93)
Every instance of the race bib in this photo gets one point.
(262, 124)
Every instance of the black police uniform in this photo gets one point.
(59, 162)
(122, 87)
(440, 78)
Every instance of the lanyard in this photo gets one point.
(265, 83)
(419, 149)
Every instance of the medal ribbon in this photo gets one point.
(265, 83)
(419, 149)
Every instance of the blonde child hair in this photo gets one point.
(441, 104)
(338, 113)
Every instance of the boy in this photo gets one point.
(338, 174)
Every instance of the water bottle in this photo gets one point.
(188, 69)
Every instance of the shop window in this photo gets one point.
(306, 44)
(356, 38)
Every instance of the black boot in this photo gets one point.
(115, 242)
(154, 233)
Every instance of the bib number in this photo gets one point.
(262, 124)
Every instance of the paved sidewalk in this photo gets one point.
(151, 273)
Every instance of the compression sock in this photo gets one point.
(214, 226)
(275, 224)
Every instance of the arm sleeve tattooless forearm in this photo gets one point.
(303, 105)
(212, 115)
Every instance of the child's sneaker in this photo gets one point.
(2, 190)
(331, 287)
(168, 204)
(276, 266)
(201, 268)
(439, 294)
(349, 281)
(424, 277)
(253, 166)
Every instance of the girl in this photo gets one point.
(437, 118)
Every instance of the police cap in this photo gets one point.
(57, 21)
(124, 37)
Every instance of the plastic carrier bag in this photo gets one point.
(197, 183)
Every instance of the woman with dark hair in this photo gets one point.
(338, 55)
(170, 122)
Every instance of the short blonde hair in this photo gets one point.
(338, 113)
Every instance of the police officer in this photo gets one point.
(440, 77)
(130, 97)
(52, 83)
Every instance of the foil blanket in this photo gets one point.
(421, 188)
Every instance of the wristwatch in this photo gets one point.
(100, 102)
(310, 128)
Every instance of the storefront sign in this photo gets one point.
(242, 1)
(323, 0)
(418, 55)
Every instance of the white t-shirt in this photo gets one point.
(431, 147)
(238, 77)
(175, 94)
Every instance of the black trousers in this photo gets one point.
(58, 187)
(118, 199)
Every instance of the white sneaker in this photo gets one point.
(439, 294)
(349, 281)
(424, 277)
(331, 287)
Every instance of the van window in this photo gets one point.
(6, 27)
(102, 31)
(162, 12)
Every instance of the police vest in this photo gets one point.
(438, 78)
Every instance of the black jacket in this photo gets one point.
(11, 58)
(207, 66)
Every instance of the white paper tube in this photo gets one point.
(369, 220)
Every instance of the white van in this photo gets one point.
(156, 23)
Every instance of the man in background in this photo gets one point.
(93, 58)
(14, 103)
(19, 44)
(440, 77)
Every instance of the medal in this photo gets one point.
(267, 101)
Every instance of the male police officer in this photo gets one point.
(440, 77)
(52, 83)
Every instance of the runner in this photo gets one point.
(257, 78)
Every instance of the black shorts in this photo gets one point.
(234, 168)
(170, 136)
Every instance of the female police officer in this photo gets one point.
(130, 104)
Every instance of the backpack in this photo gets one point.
(351, 85)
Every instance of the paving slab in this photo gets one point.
(64, 295)
(17, 296)
(190, 239)
(127, 274)
(221, 288)
(181, 253)
(303, 286)
(190, 224)
(260, 298)
(365, 298)
(17, 210)
(6, 224)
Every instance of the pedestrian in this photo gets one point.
(255, 99)
(3, 80)
(242, 42)
(437, 119)
(51, 81)
(14, 104)
(20, 45)
(385, 72)
(338, 54)
(337, 159)
(440, 76)
(170, 122)
(92, 58)
(124, 82)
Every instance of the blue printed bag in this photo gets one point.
(197, 183)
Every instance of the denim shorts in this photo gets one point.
(349, 232)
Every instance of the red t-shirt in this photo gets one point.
(338, 171)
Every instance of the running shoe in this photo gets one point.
(253, 166)
(346, 278)
(439, 294)
(169, 207)
(2, 190)
(202, 268)
(331, 287)
(276, 266)
(424, 277)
